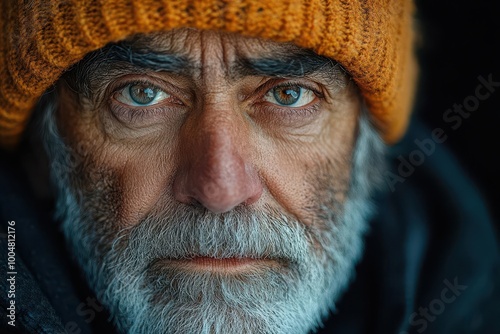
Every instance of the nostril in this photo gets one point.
(257, 193)
(194, 202)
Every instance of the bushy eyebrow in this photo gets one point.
(102, 65)
(296, 64)
(168, 62)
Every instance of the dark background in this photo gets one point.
(461, 41)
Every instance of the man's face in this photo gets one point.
(208, 182)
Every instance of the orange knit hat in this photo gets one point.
(372, 39)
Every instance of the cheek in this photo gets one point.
(300, 177)
(120, 183)
(146, 181)
(98, 190)
(145, 175)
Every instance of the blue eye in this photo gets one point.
(290, 96)
(141, 94)
(287, 95)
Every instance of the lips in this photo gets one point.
(230, 261)
(220, 264)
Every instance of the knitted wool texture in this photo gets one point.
(371, 39)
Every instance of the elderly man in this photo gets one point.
(214, 161)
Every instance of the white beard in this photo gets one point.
(145, 296)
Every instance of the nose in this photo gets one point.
(216, 171)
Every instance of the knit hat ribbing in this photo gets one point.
(372, 39)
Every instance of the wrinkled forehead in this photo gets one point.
(236, 54)
(188, 41)
(194, 53)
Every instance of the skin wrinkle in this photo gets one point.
(280, 187)
(213, 55)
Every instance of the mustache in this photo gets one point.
(184, 232)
